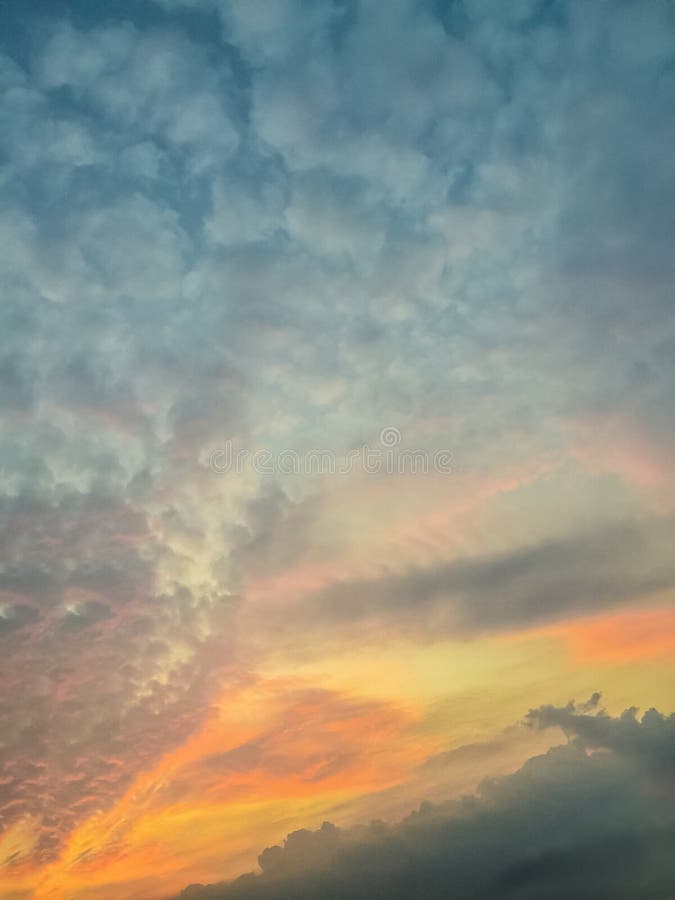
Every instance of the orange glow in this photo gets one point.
(631, 636)
(272, 750)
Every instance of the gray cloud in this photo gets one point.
(544, 582)
(573, 822)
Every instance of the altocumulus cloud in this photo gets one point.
(284, 221)
(592, 818)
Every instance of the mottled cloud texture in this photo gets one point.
(289, 225)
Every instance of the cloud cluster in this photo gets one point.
(291, 225)
(591, 818)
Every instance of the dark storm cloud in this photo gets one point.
(573, 822)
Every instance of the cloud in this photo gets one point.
(291, 227)
(590, 818)
(311, 739)
(628, 635)
(526, 586)
(153, 85)
(95, 657)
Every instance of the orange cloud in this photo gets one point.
(630, 636)
(272, 751)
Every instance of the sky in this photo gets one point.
(337, 494)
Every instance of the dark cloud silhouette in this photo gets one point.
(592, 818)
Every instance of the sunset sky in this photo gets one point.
(337, 366)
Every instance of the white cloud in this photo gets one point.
(155, 85)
